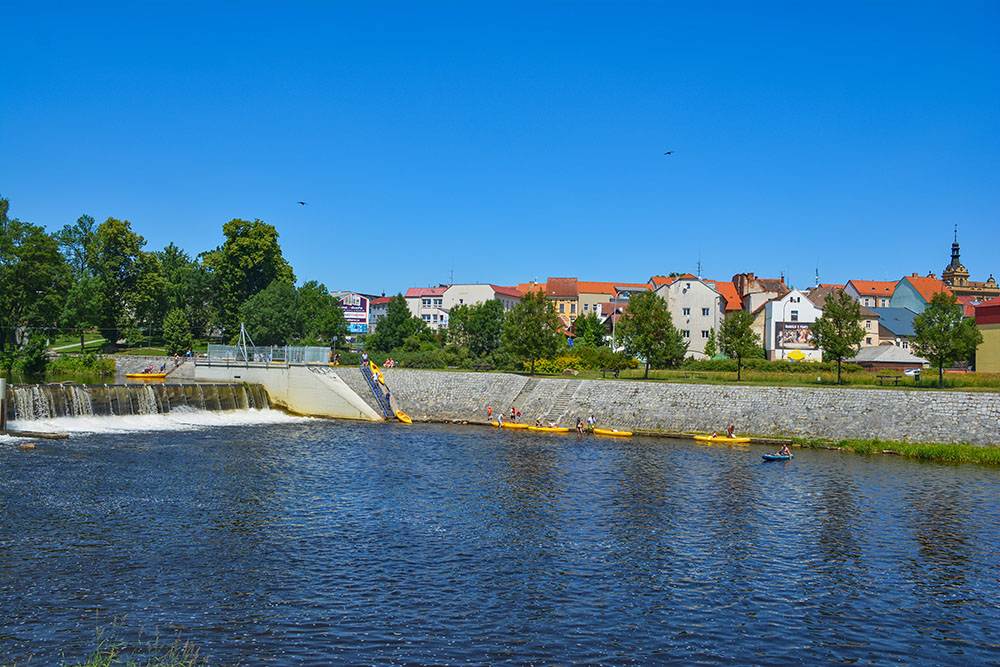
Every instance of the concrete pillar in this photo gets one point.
(3, 404)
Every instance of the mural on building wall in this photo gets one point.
(793, 336)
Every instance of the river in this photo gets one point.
(289, 541)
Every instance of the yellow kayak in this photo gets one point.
(549, 429)
(403, 417)
(614, 432)
(722, 439)
(513, 425)
(146, 376)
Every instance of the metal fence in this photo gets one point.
(274, 354)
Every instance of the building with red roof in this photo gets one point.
(871, 293)
(915, 292)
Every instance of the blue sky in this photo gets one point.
(507, 142)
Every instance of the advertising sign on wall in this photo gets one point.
(793, 336)
(355, 307)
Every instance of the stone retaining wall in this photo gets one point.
(919, 416)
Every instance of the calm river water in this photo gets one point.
(314, 542)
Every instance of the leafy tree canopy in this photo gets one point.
(943, 335)
(531, 330)
(737, 339)
(588, 330)
(646, 329)
(396, 326)
(838, 331)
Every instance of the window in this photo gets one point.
(906, 345)
(437, 302)
(704, 333)
(706, 311)
(685, 311)
(685, 333)
(427, 318)
(572, 308)
(426, 303)
(562, 307)
(868, 340)
(586, 307)
(868, 324)
(794, 316)
(434, 317)
(461, 301)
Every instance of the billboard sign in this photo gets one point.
(793, 336)
(357, 327)
(355, 307)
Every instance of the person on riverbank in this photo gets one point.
(579, 425)
(513, 414)
(489, 412)
(364, 357)
(591, 422)
(731, 430)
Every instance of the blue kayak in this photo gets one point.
(776, 457)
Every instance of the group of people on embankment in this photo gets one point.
(516, 415)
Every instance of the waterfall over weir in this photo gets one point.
(31, 402)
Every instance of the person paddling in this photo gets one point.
(784, 451)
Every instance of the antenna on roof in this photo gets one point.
(817, 275)
(956, 232)
(699, 263)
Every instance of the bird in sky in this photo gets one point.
(669, 153)
(301, 203)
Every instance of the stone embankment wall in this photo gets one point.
(918, 416)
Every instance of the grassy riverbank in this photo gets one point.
(936, 452)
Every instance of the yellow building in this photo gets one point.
(988, 322)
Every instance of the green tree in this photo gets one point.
(75, 241)
(646, 330)
(115, 260)
(148, 299)
(395, 326)
(83, 307)
(588, 330)
(188, 286)
(272, 315)
(943, 335)
(321, 314)
(176, 332)
(737, 339)
(34, 278)
(485, 328)
(838, 331)
(248, 261)
(531, 330)
(711, 346)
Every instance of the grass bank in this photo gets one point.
(936, 452)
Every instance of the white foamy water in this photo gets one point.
(181, 419)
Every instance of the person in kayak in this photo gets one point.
(731, 430)
(784, 451)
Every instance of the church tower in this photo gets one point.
(955, 275)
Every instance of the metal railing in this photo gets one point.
(258, 355)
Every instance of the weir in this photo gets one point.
(46, 401)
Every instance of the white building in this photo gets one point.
(376, 310)
(787, 327)
(696, 308)
(471, 294)
(427, 303)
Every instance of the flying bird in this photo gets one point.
(669, 153)
(301, 203)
